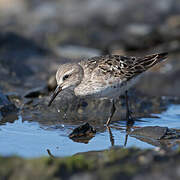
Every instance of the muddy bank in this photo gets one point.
(115, 163)
(68, 109)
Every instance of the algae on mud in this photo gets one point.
(115, 163)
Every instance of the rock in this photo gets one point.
(154, 132)
(69, 109)
(82, 133)
(6, 107)
(10, 118)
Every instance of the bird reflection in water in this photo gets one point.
(129, 126)
(85, 132)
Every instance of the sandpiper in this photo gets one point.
(104, 76)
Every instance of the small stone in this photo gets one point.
(82, 133)
(154, 132)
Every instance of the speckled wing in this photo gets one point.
(103, 73)
(122, 67)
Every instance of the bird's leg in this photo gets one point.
(129, 125)
(128, 112)
(129, 118)
(111, 136)
(113, 109)
(126, 138)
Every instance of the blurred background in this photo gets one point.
(38, 35)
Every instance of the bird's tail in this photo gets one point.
(157, 57)
(150, 60)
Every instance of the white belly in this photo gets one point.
(117, 90)
(111, 91)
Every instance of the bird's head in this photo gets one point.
(68, 76)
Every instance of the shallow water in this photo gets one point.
(30, 139)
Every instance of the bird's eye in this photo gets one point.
(65, 77)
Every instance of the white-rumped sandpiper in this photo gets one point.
(104, 76)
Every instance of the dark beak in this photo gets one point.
(56, 92)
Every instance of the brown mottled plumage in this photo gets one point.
(122, 66)
(103, 76)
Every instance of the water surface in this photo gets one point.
(30, 139)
